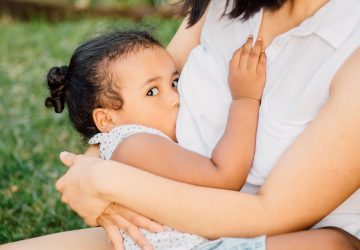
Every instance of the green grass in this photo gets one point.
(32, 136)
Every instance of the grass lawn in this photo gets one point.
(32, 136)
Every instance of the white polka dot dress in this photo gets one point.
(109, 141)
(169, 238)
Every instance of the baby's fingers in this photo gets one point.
(254, 56)
(245, 53)
(235, 60)
(261, 67)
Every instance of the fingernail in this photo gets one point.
(111, 244)
(158, 228)
(63, 154)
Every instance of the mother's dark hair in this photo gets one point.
(243, 9)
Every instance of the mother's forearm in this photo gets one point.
(184, 207)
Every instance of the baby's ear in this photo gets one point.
(102, 119)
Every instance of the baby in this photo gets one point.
(121, 93)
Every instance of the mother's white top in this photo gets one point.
(300, 66)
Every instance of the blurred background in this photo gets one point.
(34, 36)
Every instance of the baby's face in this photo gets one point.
(148, 86)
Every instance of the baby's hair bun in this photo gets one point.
(56, 81)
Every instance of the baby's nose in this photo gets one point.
(175, 99)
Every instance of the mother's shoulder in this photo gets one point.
(346, 82)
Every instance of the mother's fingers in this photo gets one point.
(133, 232)
(139, 220)
(59, 185)
(67, 158)
(113, 234)
(148, 224)
(91, 222)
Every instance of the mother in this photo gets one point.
(308, 142)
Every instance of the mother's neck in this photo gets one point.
(299, 10)
(290, 15)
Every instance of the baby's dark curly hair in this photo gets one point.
(87, 84)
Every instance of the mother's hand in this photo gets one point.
(117, 217)
(78, 187)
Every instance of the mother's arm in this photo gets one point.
(314, 176)
(184, 40)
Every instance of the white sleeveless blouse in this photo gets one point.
(300, 66)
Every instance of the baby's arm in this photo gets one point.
(232, 156)
(235, 150)
(93, 150)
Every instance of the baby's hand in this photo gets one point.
(247, 70)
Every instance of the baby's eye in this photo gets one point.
(153, 91)
(175, 83)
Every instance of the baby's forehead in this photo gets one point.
(142, 64)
